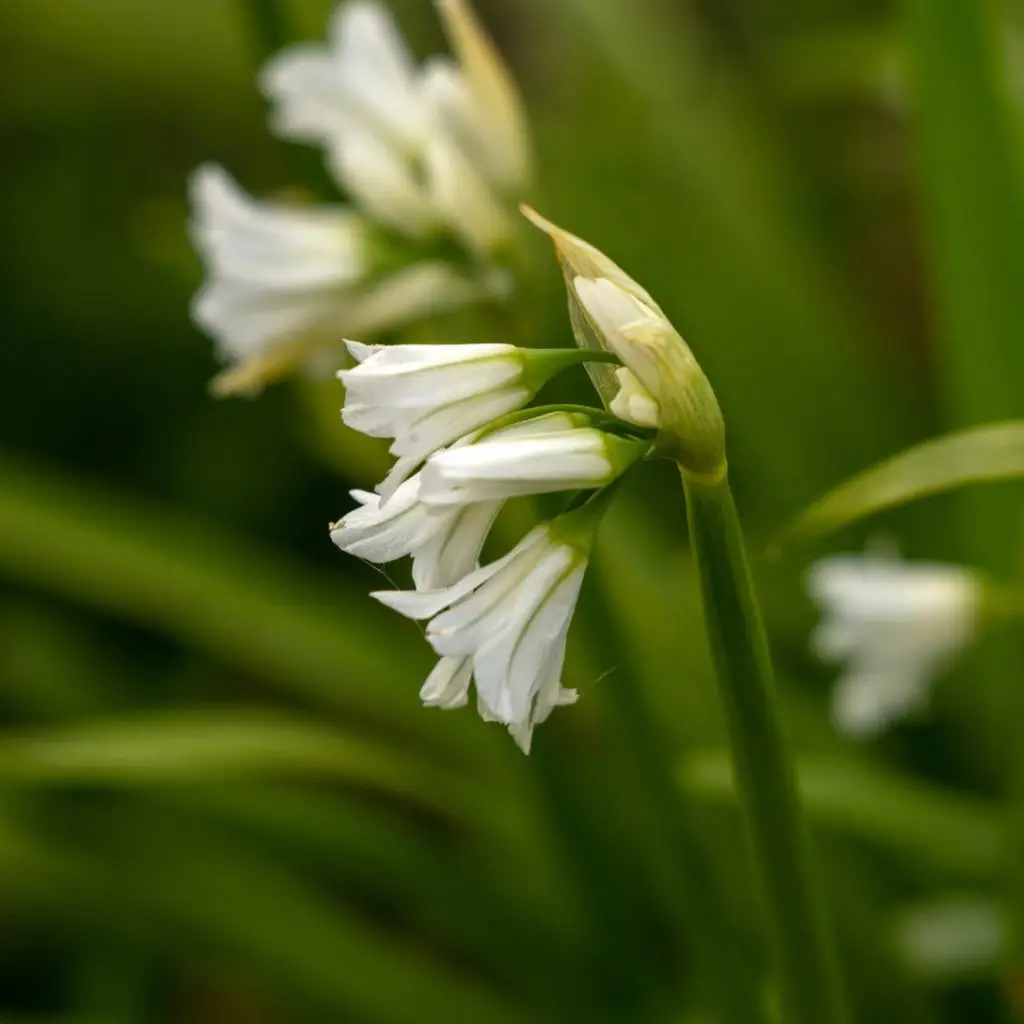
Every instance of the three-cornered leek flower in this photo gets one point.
(428, 396)
(896, 625)
(444, 543)
(505, 626)
(443, 525)
(431, 158)
(286, 282)
(456, 410)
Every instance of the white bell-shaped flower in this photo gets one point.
(363, 81)
(560, 452)
(895, 625)
(444, 543)
(510, 619)
(429, 396)
(415, 148)
(478, 101)
(286, 282)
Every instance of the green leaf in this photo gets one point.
(214, 745)
(955, 833)
(212, 592)
(980, 455)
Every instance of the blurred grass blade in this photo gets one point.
(212, 592)
(213, 745)
(269, 26)
(980, 455)
(733, 219)
(954, 833)
(971, 180)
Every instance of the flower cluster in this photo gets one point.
(431, 157)
(464, 445)
(896, 624)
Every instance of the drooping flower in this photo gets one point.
(895, 625)
(498, 467)
(444, 543)
(420, 149)
(287, 282)
(509, 620)
(428, 396)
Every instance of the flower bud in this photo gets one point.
(665, 385)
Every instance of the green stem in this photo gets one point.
(269, 26)
(808, 973)
(723, 965)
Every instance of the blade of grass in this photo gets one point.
(211, 592)
(952, 833)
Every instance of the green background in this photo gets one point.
(220, 799)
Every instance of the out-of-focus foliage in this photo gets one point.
(220, 799)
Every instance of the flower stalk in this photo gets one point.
(809, 981)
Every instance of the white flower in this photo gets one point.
(896, 625)
(428, 396)
(444, 543)
(505, 465)
(509, 620)
(479, 102)
(364, 82)
(415, 148)
(286, 282)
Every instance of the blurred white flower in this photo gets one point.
(364, 82)
(896, 625)
(444, 543)
(416, 148)
(286, 281)
(478, 100)
(509, 621)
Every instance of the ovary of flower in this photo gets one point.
(444, 543)
(896, 625)
(499, 467)
(510, 619)
(287, 282)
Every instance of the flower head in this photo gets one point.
(419, 149)
(426, 154)
(507, 624)
(286, 282)
(896, 625)
(610, 311)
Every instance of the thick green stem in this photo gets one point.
(809, 981)
(269, 25)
